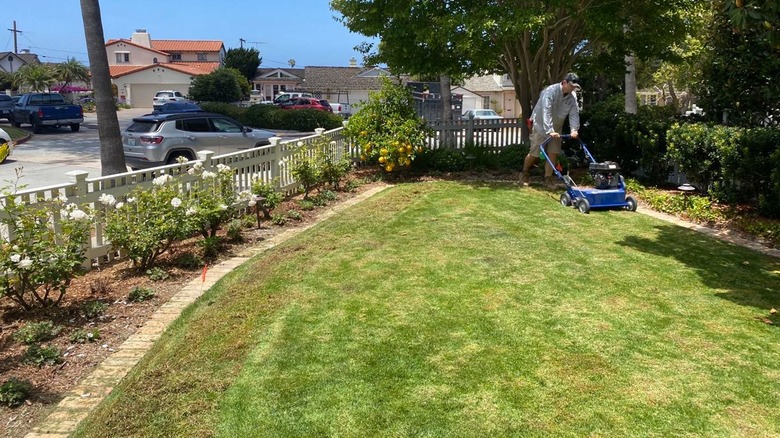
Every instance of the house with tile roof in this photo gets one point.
(141, 66)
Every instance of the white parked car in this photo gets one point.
(481, 114)
(166, 96)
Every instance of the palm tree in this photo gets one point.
(112, 156)
(35, 77)
(291, 62)
(71, 71)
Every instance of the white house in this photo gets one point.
(141, 66)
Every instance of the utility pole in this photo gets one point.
(242, 41)
(15, 31)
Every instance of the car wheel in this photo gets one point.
(74, 127)
(632, 204)
(36, 127)
(174, 158)
(583, 206)
(565, 199)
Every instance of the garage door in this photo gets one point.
(141, 95)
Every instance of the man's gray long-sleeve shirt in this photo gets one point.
(552, 109)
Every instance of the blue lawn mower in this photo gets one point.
(609, 189)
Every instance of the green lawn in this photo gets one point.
(15, 133)
(457, 310)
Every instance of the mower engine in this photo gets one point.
(605, 175)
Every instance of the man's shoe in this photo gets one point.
(525, 179)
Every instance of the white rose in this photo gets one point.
(15, 258)
(190, 211)
(176, 202)
(107, 199)
(78, 215)
(119, 205)
(25, 263)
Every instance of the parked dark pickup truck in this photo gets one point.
(46, 109)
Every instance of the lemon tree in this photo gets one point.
(387, 129)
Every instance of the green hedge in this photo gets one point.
(635, 141)
(733, 165)
(271, 117)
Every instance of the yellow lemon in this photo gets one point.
(383, 151)
(389, 168)
(382, 160)
(408, 162)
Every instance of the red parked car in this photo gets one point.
(305, 103)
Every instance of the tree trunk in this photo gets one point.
(631, 105)
(112, 156)
(673, 94)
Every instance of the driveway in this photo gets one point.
(45, 158)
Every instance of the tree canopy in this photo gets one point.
(535, 42)
(221, 85)
(244, 60)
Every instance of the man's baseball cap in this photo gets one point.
(573, 79)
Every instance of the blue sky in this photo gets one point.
(303, 30)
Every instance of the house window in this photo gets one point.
(486, 102)
(203, 57)
(122, 57)
(175, 56)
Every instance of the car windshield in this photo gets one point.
(5, 98)
(163, 94)
(142, 126)
(486, 113)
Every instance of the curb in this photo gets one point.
(80, 401)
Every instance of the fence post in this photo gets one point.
(276, 158)
(78, 189)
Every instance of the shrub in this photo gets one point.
(139, 294)
(100, 287)
(635, 141)
(233, 232)
(210, 246)
(278, 219)
(149, 222)
(295, 215)
(305, 169)
(40, 356)
(93, 309)
(272, 198)
(442, 160)
(41, 259)
(188, 260)
(82, 336)
(35, 332)
(229, 110)
(387, 128)
(512, 157)
(210, 200)
(13, 392)
(306, 120)
(157, 274)
(262, 116)
(306, 205)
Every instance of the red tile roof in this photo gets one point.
(190, 68)
(122, 40)
(187, 46)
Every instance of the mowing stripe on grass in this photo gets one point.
(448, 309)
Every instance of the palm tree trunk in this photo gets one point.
(112, 156)
(631, 105)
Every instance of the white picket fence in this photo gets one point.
(272, 164)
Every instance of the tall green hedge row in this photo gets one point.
(271, 117)
(733, 165)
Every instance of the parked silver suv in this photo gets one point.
(156, 140)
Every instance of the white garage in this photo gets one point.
(138, 86)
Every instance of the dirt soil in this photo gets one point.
(111, 284)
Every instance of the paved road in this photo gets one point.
(46, 157)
